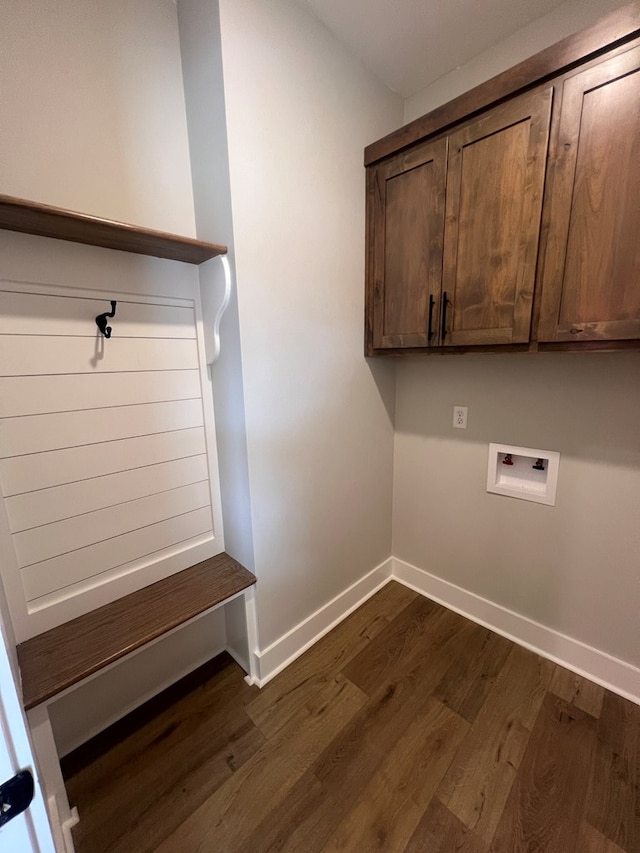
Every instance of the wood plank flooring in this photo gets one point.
(407, 729)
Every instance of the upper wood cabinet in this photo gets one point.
(516, 225)
(591, 278)
(495, 181)
(407, 197)
(454, 232)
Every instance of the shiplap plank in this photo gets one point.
(60, 502)
(39, 314)
(52, 540)
(24, 355)
(37, 433)
(41, 395)
(42, 470)
(122, 553)
(103, 459)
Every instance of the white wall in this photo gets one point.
(80, 714)
(317, 457)
(92, 112)
(95, 120)
(568, 18)
(92, 117)
(204, 94)
(574, 567)
(299, 112)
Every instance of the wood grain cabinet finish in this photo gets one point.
(407, 200)
(591, 278)
(455, 232)
(517, 225)
(495, 182)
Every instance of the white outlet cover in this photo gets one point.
(522, 479)
(460, 417)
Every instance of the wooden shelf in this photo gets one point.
(18, 214)
(64, 656)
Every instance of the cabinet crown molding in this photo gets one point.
(617, 28)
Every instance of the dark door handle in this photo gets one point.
(432, 302)
(15, 796)
(445, 302)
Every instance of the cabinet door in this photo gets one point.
(495, 183)
(591, 282)
(406, 197)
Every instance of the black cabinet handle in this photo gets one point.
(445, 302)
(432, 302)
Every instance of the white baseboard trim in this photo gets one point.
(286, 649)
(61, 829)
(67, 826)
(614, 674)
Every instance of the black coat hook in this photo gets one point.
(101, 320)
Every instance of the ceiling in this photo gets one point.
(408, 44)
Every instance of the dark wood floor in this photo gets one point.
(406, 729)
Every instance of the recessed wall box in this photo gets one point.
(523, 472)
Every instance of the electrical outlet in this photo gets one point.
(460, 417)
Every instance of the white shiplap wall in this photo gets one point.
(107, 463)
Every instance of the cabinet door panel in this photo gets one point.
(495, 184)
(591, 285)
(408, 203)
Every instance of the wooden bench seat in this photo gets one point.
(65, 655)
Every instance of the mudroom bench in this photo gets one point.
(56, 661)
